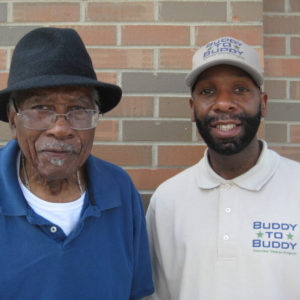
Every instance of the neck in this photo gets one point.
(231, 166)
(54, 190)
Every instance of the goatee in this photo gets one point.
(229, 146)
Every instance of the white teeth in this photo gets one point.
(225, 127)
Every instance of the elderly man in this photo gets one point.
(72, 225)
(227, 227)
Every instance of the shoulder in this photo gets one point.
(176, 186)
(101, 167)
(289, 165)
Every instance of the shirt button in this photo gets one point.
(226, 237)
(228, 209)
(53, 229)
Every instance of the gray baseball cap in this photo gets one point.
(229, 51)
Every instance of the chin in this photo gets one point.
(54, 172)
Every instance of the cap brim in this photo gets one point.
(191, 78)
(110, 94)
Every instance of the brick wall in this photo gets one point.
(282, 70)
(146, 47)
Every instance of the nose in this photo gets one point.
(61, 128)
(224, 101)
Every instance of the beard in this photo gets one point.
(226, 146)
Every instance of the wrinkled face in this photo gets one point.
(227, 107)
(56, 152)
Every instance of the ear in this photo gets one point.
(12, 125)
(263, 101)
(192, 106)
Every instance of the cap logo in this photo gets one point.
(223, 46)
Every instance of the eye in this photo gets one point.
(41, 107)
(241, 90)
(76, 108)
(206, 92)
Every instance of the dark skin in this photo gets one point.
(222, 92)
(53, 156)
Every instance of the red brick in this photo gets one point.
(295, 90)
(294, 6)
(252, 35)
(2, 59)
(107, 130)
(295, 134)
(124, 155)
(273, 6)
(282, 24)
(109, 77)
(3, 80)
(149, 179)
(96, 35)
(295, 46)
(282, 67)
(246, 11)
(122, 58)
(46, 12)
(274, 45)
(180, 156)
(176, 58)
(120, 11)
(155, 35)
(134, 106)
(289, 152)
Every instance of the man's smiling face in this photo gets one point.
(227, 107)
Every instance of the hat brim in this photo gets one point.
(191, 78)
(110, 94)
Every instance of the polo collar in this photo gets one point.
(104, 190)
(253, 180)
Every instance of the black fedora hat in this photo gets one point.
(52, 57)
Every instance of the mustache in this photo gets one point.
(58, 147)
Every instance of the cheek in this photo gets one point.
(27, 142)
(201, 111)
(86, 145)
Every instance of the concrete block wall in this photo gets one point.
(146, 47)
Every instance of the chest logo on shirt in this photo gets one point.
(274, 237)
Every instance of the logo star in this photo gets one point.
(290, 236)
(260, 234)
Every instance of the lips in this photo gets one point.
(57, 153)
(59, 148)
(225, 129)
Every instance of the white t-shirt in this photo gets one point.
(64, 215)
